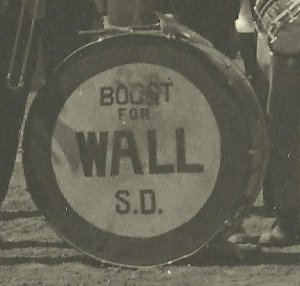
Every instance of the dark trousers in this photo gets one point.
(59, 33)
(213, 19)
(59, 38)
(283, 110)
(11, 104)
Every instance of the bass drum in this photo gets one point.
(141, 148)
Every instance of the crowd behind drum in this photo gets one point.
(228, 25)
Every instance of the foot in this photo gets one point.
(243, 238)
(238, 245)
(277, 236)
(228, 249)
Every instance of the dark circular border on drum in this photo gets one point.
(98, 57)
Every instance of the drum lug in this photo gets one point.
(173, 29)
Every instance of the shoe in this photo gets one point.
(278, 236)
(243, 238)
(227, 249)
(239, 245)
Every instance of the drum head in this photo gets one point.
(136, 150)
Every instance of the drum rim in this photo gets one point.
(34, 183)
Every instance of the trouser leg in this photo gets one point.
(11, 105)
(283, 172)
(215, 20)
(60, 37)
(248, 52)
(62, 21)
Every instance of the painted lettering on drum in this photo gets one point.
(154, 168)
(142, 113)
(182, 166)
(151, 207)
(93, 151)
(123, 205)
(106, 96)
(138, 95)
(187, 138)
(147, 205)
(135, 93)
(130, 151)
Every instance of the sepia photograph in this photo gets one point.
(150, 142)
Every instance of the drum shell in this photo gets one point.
(188, 238)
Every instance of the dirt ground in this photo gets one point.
(32, 254)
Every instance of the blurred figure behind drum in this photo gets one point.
(63, 19)
(279, 22)
(215, 20)
(283, 171)
(11, 103)
(59, 37)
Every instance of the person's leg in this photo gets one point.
(11, 105)
(283, 171)
(215, 20)
(63, 20)
(247, 36)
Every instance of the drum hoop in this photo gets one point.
(240, 80)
